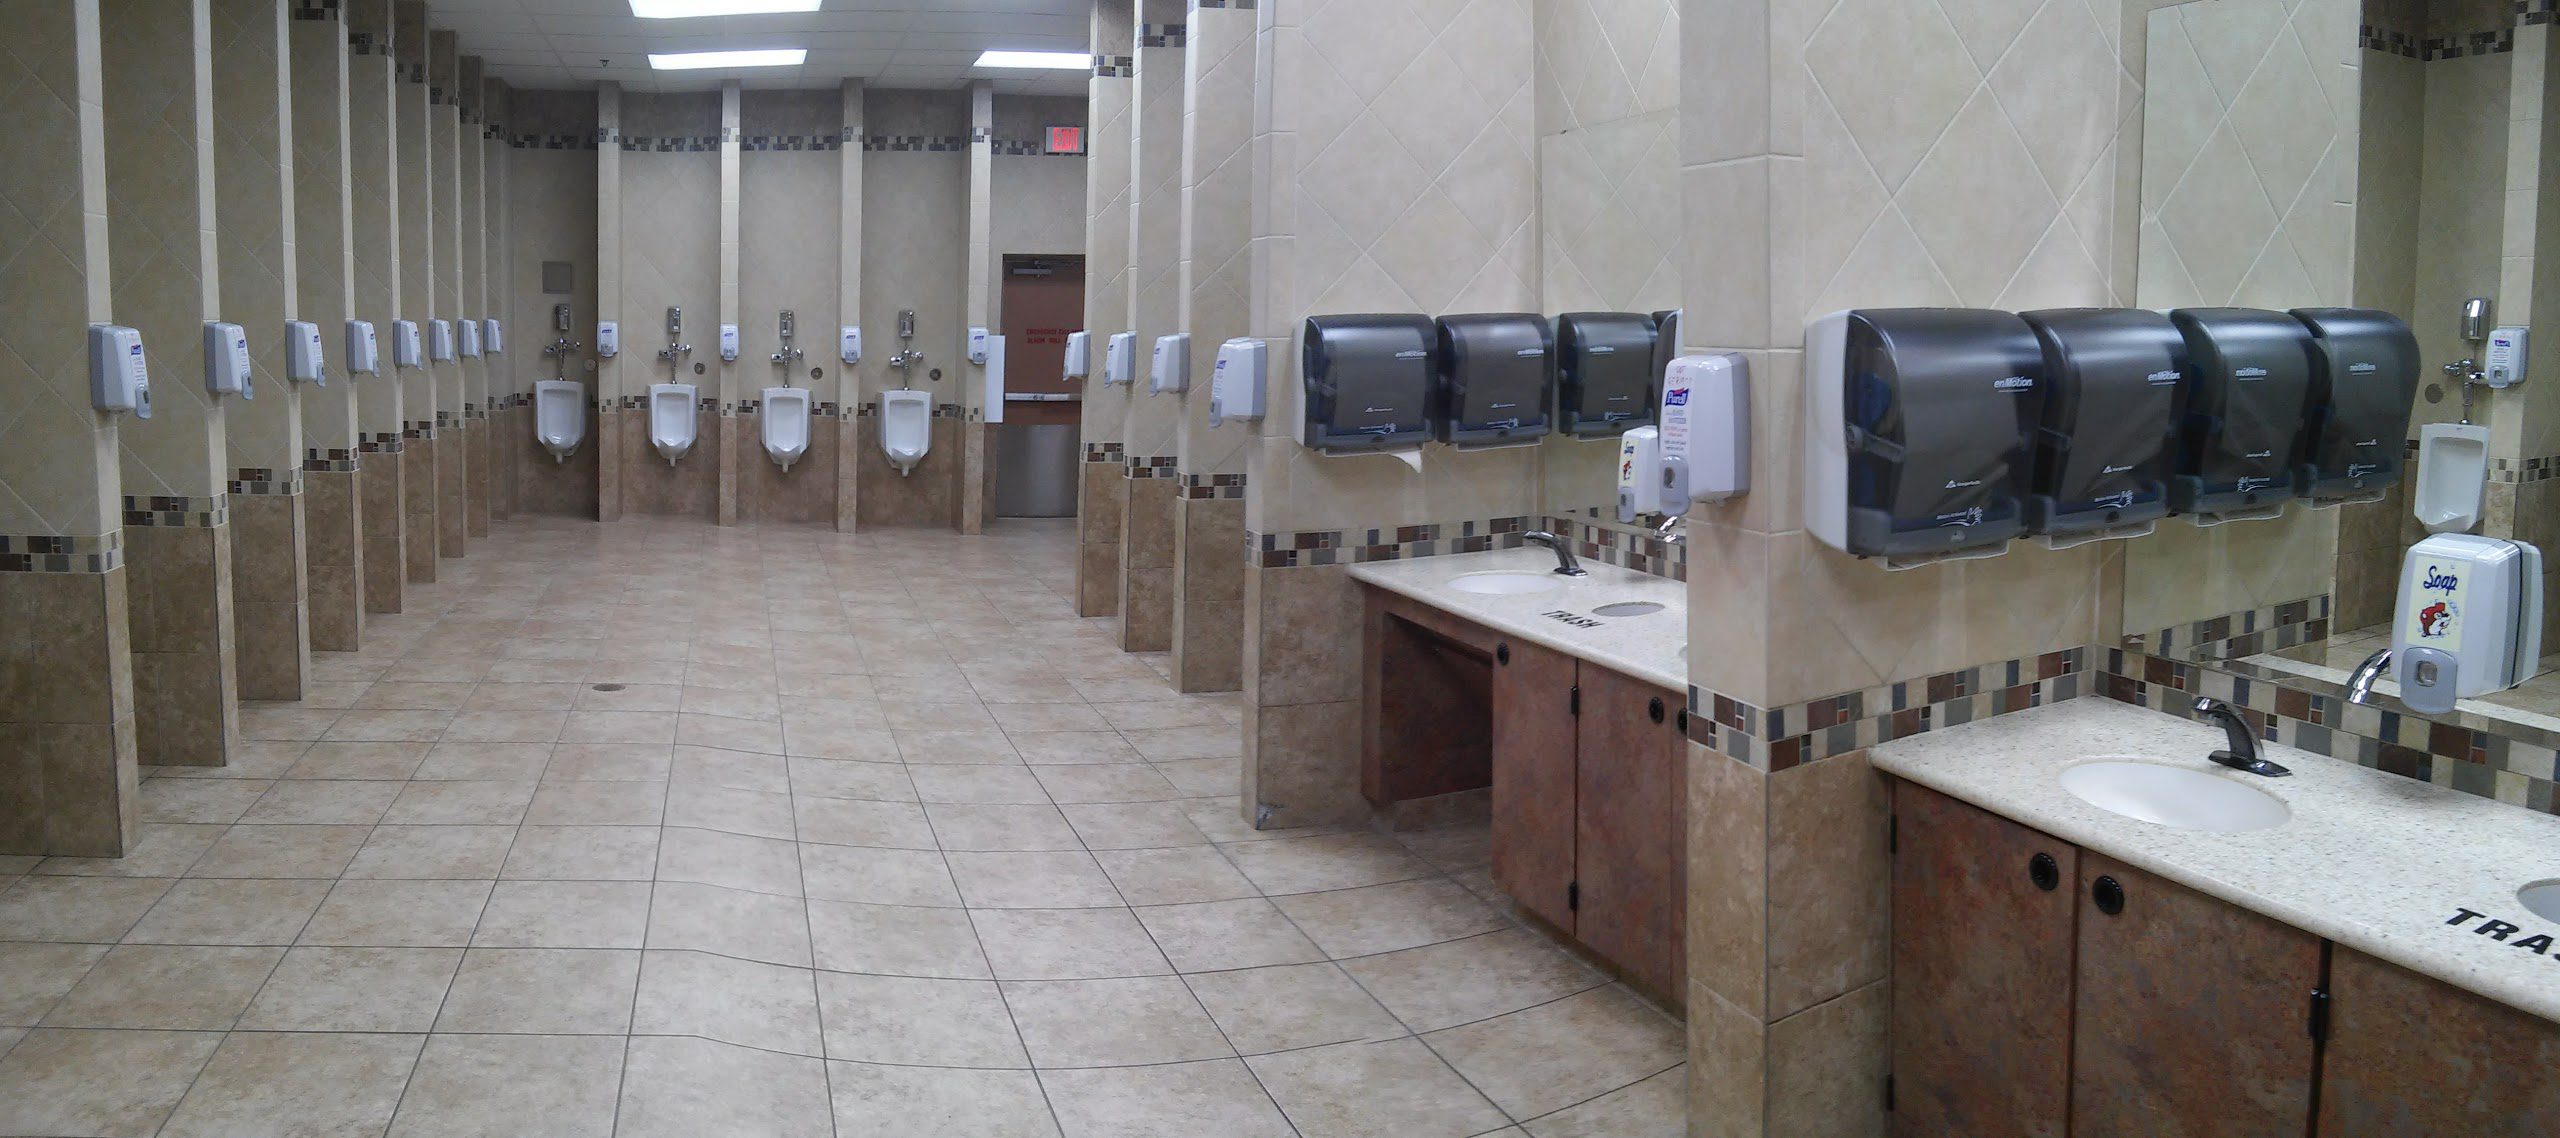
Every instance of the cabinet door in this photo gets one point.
(1533, 793)
(1630, 843)
(1982, 944)
(2408, 1055)
(2193, 1014)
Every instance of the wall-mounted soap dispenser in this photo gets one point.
(1916, 426)
(226, 360)
(1119, 359)
(1704, 437)
(1169, 369)
(405, 350)
(608, 338)
(469, 331)
(2364, 380)
(2103, 448)
(493, 336)
(2469, 620)
(1605, 378)
(1369, 382)
(729, 343)
(1236, 382)
(119, 378)
(977, 344)
(2241, 405)
(1079, 356)
(849, 343)
(440, 340)
(364, 351)
(1496, 379)
(304, 362)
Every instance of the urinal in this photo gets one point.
(671, 419)
(786, 424)
(906, 427)
(560, 416)
(2453, 471)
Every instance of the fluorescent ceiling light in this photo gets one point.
(679, 9)
(760, 57)
(1056, 60)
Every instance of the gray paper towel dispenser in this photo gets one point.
(1605, 375)
(2240, 410)
(2363, 380)
(1497, 378)
(1370, 382)
(2102, 450)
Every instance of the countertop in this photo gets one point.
(2377, 862)
(1646, 647)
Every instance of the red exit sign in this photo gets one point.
(1066, 140)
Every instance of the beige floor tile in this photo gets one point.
(1200, 778)
(1112, 1023)
(632, 696)
(323, 802)
(424, 695)
(729, 922)
(583, 853)
(353, 989)
(1178, 876)
(960, 1103)
(997, 828)
(1655, 1108)
(985, 785)
(1389, 1089)
(608, 762)
(753, 736)
(533, 991)
(1106, 782)
(33, 976)
(1180, 1100)
(860, 822)
(1160, 714)
(506, 727)
(1554, 1055)
(684, 1088)
(363, 913)
(458, 803)
(1133, 825)
(114, 1084)
(738, 861)
(1172, 743)
(96, 909)
(1216, 935)
(360, 761)
(753, 812)
(917, 1021)
(728, 703)
(620, 727)
(896, 940)
(467, 1086)
(851, 778)
(1043, 880)
(1290, 1006)
(388, 726)
(1461, 981)
(1067, 944)
(281, 851)
(455, 760)
(1387, 918)
(201, 911)
(432, 852)
(277, 1084)
(565, 914)
(1065, 748)
(166, 987)
(160, 849)
(730, 769)
(744, 1002)
(597, 804)
(538, 696)
(1326, 861)
(876, 876)
(937, 747)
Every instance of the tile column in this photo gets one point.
(471, 218)
(732, 382)
(849, 304)
(323, 240)
(165, 276)
(1155, 303)
(977, 442)
(67, 775)
(253, 190)
(609, 370)
(1101, 490)
(373, 265)
(444, 292)
(1217, 227)
(413, 186)
(508, 421)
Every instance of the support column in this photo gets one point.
(1100, 489)
(508, 420)
(471, 218)
(1217, 227)
(732, 384)
(253, 188)
(373, 263)
(323, 238)
(609, 370)
(1155, 304)
(165, 279)
(444, 234)
(413, 182)
(849, 306)
(977, 444)
(67, 775)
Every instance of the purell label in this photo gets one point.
(1411, 354)
(2249, 373)
(2013, 383)
(2161, 378)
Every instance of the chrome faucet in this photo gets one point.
(2360, 681)
(1670, 523)
(1565, 563)
(2241, 753)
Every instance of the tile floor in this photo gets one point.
(661, 829)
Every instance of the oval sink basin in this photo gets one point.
(1501, 584)
(1627, 608)
(2175, 796)
(2543, 898)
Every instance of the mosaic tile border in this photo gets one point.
(816, 410)
(1115, 66)
(2524, 470)
(1150, 466)
(332, 461)
(2239, 634)
(1245, 5)
(1384, 543)
(564, 140)
(786, 142)
(61, 553)
(1594, 541)
(936, 143)
(670, 144)
(170, 510)
(380, 444)
(367, 43)
(1102, 452)
(267, 482)
(1164, 35)
(1779, 738)
(1203, 487)
(871, 409)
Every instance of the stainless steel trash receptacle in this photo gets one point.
(1036, 470)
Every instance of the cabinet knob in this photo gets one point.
(1502, 653)
(1654, 708)
(2109, 894)
(2045, 872)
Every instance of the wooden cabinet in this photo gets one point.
(2409, 1056)
(1533, 779)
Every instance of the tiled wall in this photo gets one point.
(914, 256)
(790, 174)
(1101, 492)
(551, 211)
(670, 257)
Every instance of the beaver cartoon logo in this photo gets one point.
(2433, 618)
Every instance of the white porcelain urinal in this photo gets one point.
(906, 427)
(671, 419)
(2453, 471)
(560, 416)
(785, 415)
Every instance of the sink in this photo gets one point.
(1627, 608)
(2543, 898)
(2177, 796)
(1500, 584)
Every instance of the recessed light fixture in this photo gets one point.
(680, 9)
(760, 57)
(1054, 60)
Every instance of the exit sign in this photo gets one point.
(1066, 140)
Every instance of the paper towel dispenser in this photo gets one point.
(2364, 378)
(2240, 410)
(1605, 373)
(1916, 429)
(1369, 381)
(1497, 378)
(2102, 450)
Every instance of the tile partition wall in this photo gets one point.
(913, 251)
(848, 386)
(617, 375)
(471, 221)
(670, 252)
(413, 146)
(323, 232)
(382, 477)
(978, 310)
(1149, 434)
(68, 778)
(1111, 130)
(444, 292)
(790, 172)
(551, 196)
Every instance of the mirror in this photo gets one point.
(2272, 177)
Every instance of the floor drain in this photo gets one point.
(608, 687)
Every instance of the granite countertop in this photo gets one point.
(2377, 862)
(1647, 647)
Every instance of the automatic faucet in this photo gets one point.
(2241, 752)
(2360, 681)
(1565, 564)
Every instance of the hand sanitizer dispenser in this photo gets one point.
(1169, 370)
(303, 360)
(226, 360)
(1704, 433)
(1369, 382)
(1118, 358)
(493, 336)
(2469, 620)
(1079, 362)
(1604, 372)
(977, 344)
(2102, 449)
(729, 343)
(364, 352)
(404, 344)
(1640, 489)
(2241, 406)
(2502, 363)
(1236, 383)
(469, 331)
(2364, 380)
(1497, 378)
(608, 338)
(1916, 426)
(440, 340)
(119, 379)
(849, 343)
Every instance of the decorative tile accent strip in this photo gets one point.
(380, 443)
(1032, 148)
(365, 43)
(331, 461)
(1385, 543)
(174, 510)
(816, 410)
(672, 144)
(1114, 66)
(2389, 41)
(1777, 738)
(1246, 5)
(424, 432)
(1206, 486)
(1151, 466)
(2468, 44)
(1163, 35)
(267, 482)
(2234, 635)
(567, 140)
(44, 553)
(1096, 452)
(792, 142)
(315, 9)
(2522, 470)
(1642, 553)
(934, 142)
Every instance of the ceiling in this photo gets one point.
(888, 43)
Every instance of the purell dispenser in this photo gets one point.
(1916, 427)
(1497, 377)
(2363, 381)
(1369, 382)
(1605, 372)
(2102, 451)
(2248, 381)
(2469, 621)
